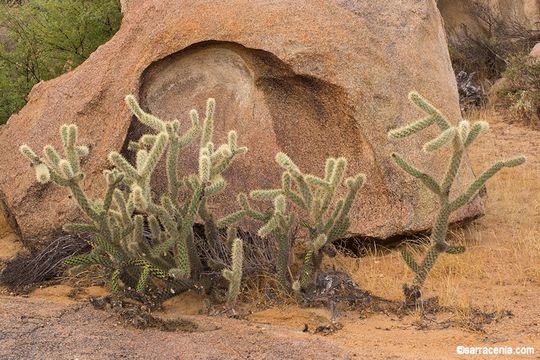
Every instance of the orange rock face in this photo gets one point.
(313, 79)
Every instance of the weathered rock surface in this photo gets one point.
(460, 15)
(535, 52)
(313, 79)
(124, 5)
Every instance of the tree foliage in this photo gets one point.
(42, 39)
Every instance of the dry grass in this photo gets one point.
(503, 247)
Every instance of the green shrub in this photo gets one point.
(521, 90)
(46, 38)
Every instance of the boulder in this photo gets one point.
(479, 17)
(313, 79)
(124, 5)
(535, 52)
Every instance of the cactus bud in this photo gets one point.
(515, 161)
(463, 130)
(440, 140)
(319, 242)
(82, 150)
(194, 115)
(210, 107)
(73, 134)
(43, 175)
(204, 168)
(285, 162)
(231, 140)
(279, 204)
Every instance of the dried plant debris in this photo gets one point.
(25, 271)
(140, 316)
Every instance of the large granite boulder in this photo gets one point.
(479, 17)
(311, 78)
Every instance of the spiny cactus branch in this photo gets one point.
(461, 137)
(303, 199)
(234, 274)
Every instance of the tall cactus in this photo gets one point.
(308, 200)
(118, 219)
(460, 137)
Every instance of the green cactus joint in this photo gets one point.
(460, 137)
(307, 200)
(234, 274)
(168, 259)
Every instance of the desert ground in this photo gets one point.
(488, 296)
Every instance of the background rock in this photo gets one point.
(535, 52)
(125, 5)
(317, 79)
(460, 15)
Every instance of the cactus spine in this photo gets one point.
(461, 137)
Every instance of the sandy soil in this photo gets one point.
(41, 329)
(499, 274)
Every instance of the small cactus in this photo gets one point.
(460, 137)
(234, 274)
(306, 200)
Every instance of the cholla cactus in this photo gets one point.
(460, 137)
(307, 199)
(234, 274)
(118, 219)
(109, 225)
